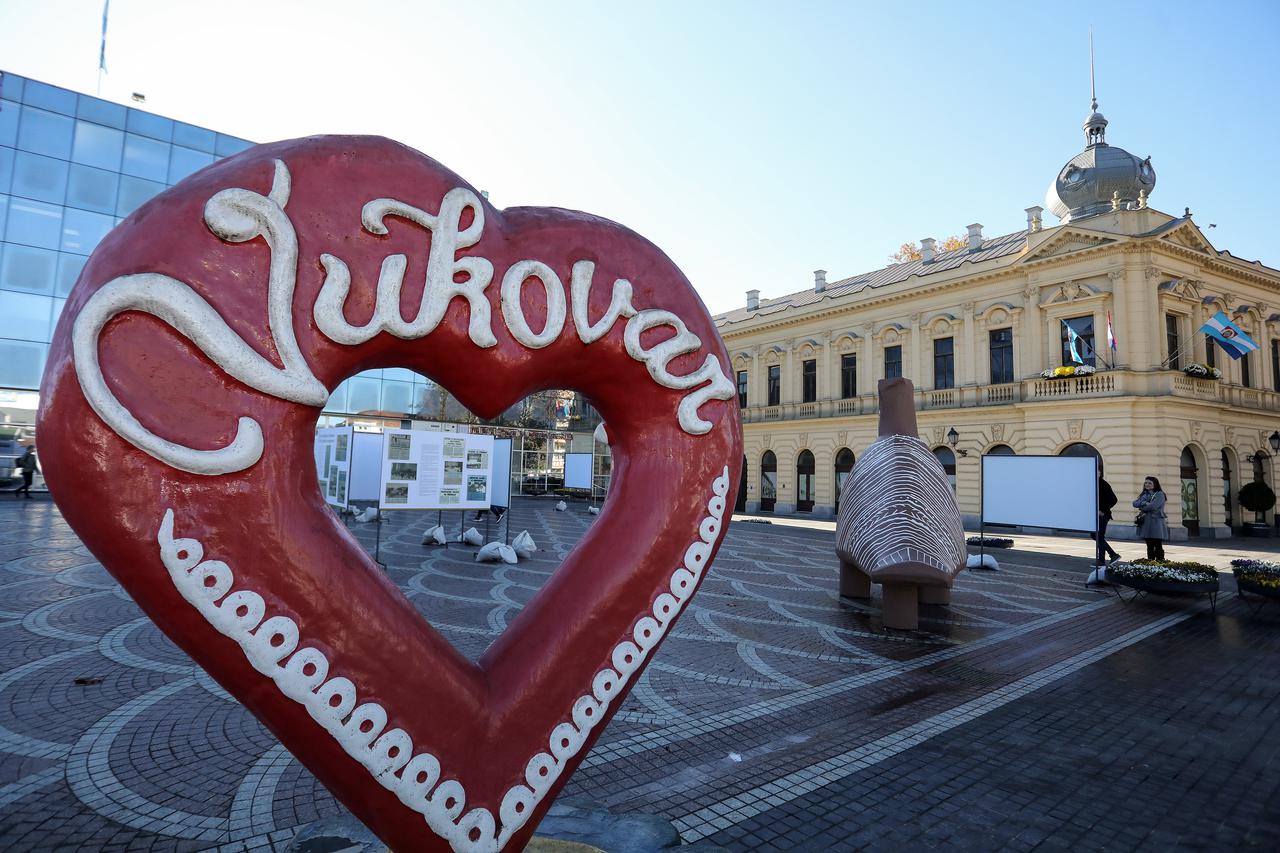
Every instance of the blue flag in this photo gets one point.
(1072, 340)
(1229, 336)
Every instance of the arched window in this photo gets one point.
(844, 465)
(1001, 450)
(1190, 476)
(948, 460)
(1079, 448)
(768, 481)
(741, 504)
(804, 481)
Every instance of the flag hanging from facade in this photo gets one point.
(1111, 335)
(1073, 343)
(1229, 336)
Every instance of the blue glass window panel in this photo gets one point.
(396, 396)
(57, 312)
(11, 86)
(26, 315)
(82, 231)
(21, 364)
(101, 112)
(145, 158)
(228, 145)
(194, 137)
(45, 133)
(34, 223)
(362, 394)
(133, 193)
(6, 168)
(27, 269)
(69, 267)
(149, 124)
(184, 161)
(338, 399)
(9, 112)
(39, 177)
(373, 373)
(92, 189)
(402, 374)
(97, 146)
(48, 97)
(4, 212)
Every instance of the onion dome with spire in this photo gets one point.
(1100, 178)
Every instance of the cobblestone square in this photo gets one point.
(1032, 714)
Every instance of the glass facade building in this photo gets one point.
(73, 166)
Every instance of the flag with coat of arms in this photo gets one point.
(1229, 336)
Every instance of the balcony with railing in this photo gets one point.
(1111, 383)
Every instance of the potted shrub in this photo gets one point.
(1165, 577)
(1202, 371)
(1257, 497)
(1259, 577)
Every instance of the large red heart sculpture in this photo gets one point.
(176, 429)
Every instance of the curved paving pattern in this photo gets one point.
(775, 717)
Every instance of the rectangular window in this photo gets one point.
(1171, 340)
(892, 362)
(944, 363)
(1245, 379)
(1083, 327)
(775, 385)
(1000, 342)
(1275, 364)
(742, 389)
(809, 380)
(1210, 352)
(849, 376)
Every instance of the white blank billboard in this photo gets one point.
(500, 488)
(1040, 491)
(577, 470)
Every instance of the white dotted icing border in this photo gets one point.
(361, 729)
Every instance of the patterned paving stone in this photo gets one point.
(1031, 714)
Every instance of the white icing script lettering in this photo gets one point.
(240, 215)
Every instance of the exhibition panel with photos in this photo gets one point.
(424, 469)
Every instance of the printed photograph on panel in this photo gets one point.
(477, 459)
(332, 488)
(453, 473)
(397, 493)
(450, 495)
(477, 487)
(398, 447)
(404, 470)
(342, 486)
(454, 447)
(340, 454)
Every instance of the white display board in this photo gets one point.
(333, 449)
(1060, 492)
(500, 483)
(577, 470)
(365, 477)
(435, 470)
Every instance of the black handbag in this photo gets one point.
(1137, 521)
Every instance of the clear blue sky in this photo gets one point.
(753, 141)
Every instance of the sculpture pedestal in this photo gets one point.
(935, 595)
(854, 583)
(900, 606)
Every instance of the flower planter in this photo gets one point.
(1251, 587)
(1164, 587)
(1256, 530)
(1172, 580)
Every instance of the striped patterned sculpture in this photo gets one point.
(899, 524)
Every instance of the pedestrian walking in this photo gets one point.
(1151, 524)
(1106, 500)
(27, 465)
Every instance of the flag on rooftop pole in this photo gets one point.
(1072, 340)
(1229, 336)
(102, 51)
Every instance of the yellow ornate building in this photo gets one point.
(975, 328)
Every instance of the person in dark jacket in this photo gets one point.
(1152, 527)
(1106, 500)
(27, 465)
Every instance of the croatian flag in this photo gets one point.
(1229, 336)
(1111, 335)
